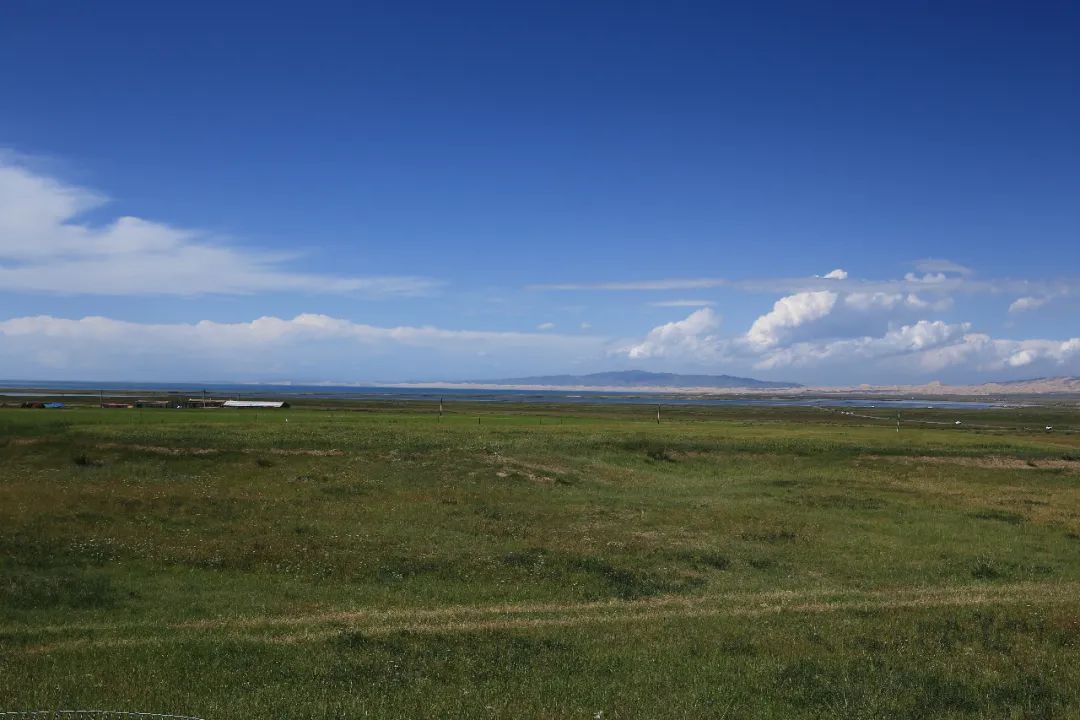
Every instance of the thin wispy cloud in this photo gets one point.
(1027, 303)
(47, 247)
(942, 265)
(931, 279)
(668, 284)
(683, 303)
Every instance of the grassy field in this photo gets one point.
(540, 562)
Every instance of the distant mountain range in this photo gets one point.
(641, 379)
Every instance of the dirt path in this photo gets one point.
(323, 626)
(185, 450)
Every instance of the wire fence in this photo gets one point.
(953, 423)
(90, 715)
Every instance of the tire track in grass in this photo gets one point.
(356, 614)
(469, 619)
(654, 616)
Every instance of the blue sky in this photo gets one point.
(323, 192)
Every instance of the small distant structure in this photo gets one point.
(54, 405)
(153, 404)
(258, 404)
(1049, 428)
(117, 405)
(204, 403)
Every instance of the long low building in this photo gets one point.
(269, 404)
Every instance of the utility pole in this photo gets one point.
(440, 409)
(657, 413)
(897, 421)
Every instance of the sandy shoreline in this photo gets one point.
(1063, 386)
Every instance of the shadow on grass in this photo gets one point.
(37, 590)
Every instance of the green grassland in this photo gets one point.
(374, 560)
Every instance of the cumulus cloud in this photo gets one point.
(980, 352)
(905, 340)
(47, 246)
(801, 328)
(694, 336)
(309, 344)
(824, 314)
(837, 274)
(789, 313)
(546, 326)
(920, 347)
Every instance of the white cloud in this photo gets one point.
(789, 313)
(938, 277)
(1027, 303)
(907, 339)
(668, 284)
(873, 301)
(928, 346)
(694, 337)
(916, 348)
(1022, 357)
(683, 303)
(46, 247)
(941, 265)
(311, 345)
(980, 352)
(866, 302)
(927, 278)
(814, 324)
(586, 326)
(934, 288)
(824, 315)
(915, 301)
(546, 326)
(923, 335)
